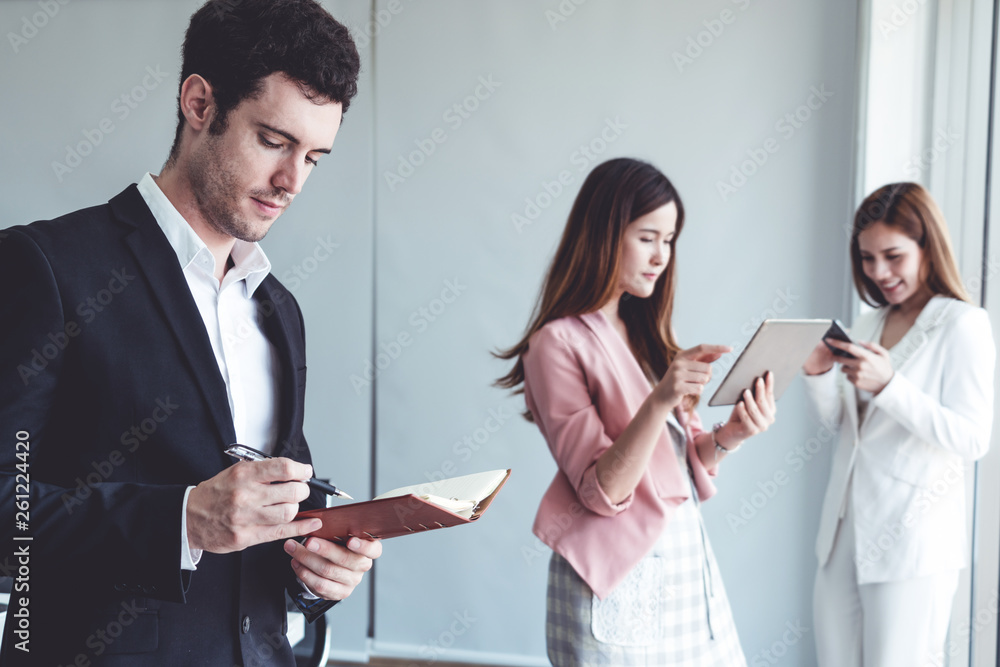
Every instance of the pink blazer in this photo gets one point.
(583, 385)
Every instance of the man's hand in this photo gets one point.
(240, 507)
(330, 570)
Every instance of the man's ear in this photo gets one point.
(197, 102)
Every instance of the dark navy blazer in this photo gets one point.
(107, 372)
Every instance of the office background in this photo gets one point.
(419, 246)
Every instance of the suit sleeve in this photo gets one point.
(311, 607)
(962, 420)
(824, 394)
(117, 534)
(556, 387)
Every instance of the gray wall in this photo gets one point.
(775, 246)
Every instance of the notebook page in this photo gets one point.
(467, 487)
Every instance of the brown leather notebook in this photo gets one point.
(412, 509)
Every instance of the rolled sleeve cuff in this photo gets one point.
(593, 497)
(189, 556)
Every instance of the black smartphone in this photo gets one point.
(836, 332)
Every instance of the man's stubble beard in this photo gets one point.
(217, 193)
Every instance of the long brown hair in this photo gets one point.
(909, 208)
(584, 272)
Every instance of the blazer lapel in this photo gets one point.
(635, 385)
(933, 315)
(158, 263)
(664, 468)
(276, 330)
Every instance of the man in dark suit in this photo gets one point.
(138, 339)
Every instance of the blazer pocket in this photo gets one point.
(127, 627)
(915, 464)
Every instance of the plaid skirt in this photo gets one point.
(671, 609)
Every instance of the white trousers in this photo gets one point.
(893, 624)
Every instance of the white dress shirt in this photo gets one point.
(247, 360)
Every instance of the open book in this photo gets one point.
(412, 509)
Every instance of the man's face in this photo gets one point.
(243, 179)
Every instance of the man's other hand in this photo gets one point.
(330, 570)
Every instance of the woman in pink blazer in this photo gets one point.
(632, 578)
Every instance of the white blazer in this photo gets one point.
(904, 464)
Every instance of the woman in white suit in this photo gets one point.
(913, 406)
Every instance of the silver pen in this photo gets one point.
(244, 453)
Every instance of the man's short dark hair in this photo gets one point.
(235, 44)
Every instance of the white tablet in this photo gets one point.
(779, 346)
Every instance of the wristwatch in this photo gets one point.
(715, 429)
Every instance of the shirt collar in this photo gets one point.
(249, 259)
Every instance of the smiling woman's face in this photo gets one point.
(646, 249)
(893, 261)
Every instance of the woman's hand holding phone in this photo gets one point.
(820, 360)
(827, 352)
(870, 367)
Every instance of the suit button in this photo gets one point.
(246, 624)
